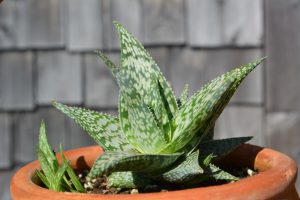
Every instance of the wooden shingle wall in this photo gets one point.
(46, 53)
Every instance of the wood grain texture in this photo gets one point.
(239, 121)
(282, 48)
(7, 25)
(40, 24)
(59, 77)
(16, 81)
(129, 13)
(84, 25)
(212, 23)
(6, 142)
(101, 87)
(26, 131)
(164, 22)
(5, 178)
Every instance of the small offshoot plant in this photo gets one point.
(157, 138)
(53, 175)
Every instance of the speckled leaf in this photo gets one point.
(219, 174)
(45, 154)
(184, 95)
(141, 73)
(72, 176)
(124, 161)
(223, 146)
(128, 180)
(199, 114)
(142, 131)
(187, 170)
(193, 144)
(103, 128)
(53, 175)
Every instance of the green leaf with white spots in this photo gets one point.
(187, 170)
(184, 95)
(125, 161)
(196, 117)
(141, 73)
(53, 175)
(223, 146)
(199, 114)
(219, 174)
(193, 144)
(104, 129)
(144, 134)
(128, 180)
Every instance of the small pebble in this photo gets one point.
(250, 172)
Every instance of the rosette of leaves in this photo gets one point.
(156, 137)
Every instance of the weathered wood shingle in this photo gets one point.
(215, 23)
(26, 131)
(40, 24)
(7, 24)
(16, 81)
(164, 22)
(84, 25)
(282, 48)
(59, 77)
(5, 141)
(101, 87)
(129, 13)
(5, 178)
(198, 67)
(239, 121)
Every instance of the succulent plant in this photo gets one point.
(52, 174)
(156, 137)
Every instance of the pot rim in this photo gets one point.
(277, 172)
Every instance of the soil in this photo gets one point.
(99, 185)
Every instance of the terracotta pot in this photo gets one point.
(276, 179)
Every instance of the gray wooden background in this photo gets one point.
(46, 53)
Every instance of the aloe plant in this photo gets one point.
(52, 174)
(157, 138)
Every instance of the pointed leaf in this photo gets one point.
(144, 134)
(77, 184)
(123, 161)
(199, 114)
(46, 166)
(58, 177)
(184, 94)
(44, 147)
(109, 64)
(103, 128)
(141, 73)
(43, 178)
(193, 144)
(219, 174)
(128, 180)
(187, 170)
(196, 116)
(223, 146)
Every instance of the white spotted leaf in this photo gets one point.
(124, 161)
(104, 129)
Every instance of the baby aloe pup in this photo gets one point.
(157, 138)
